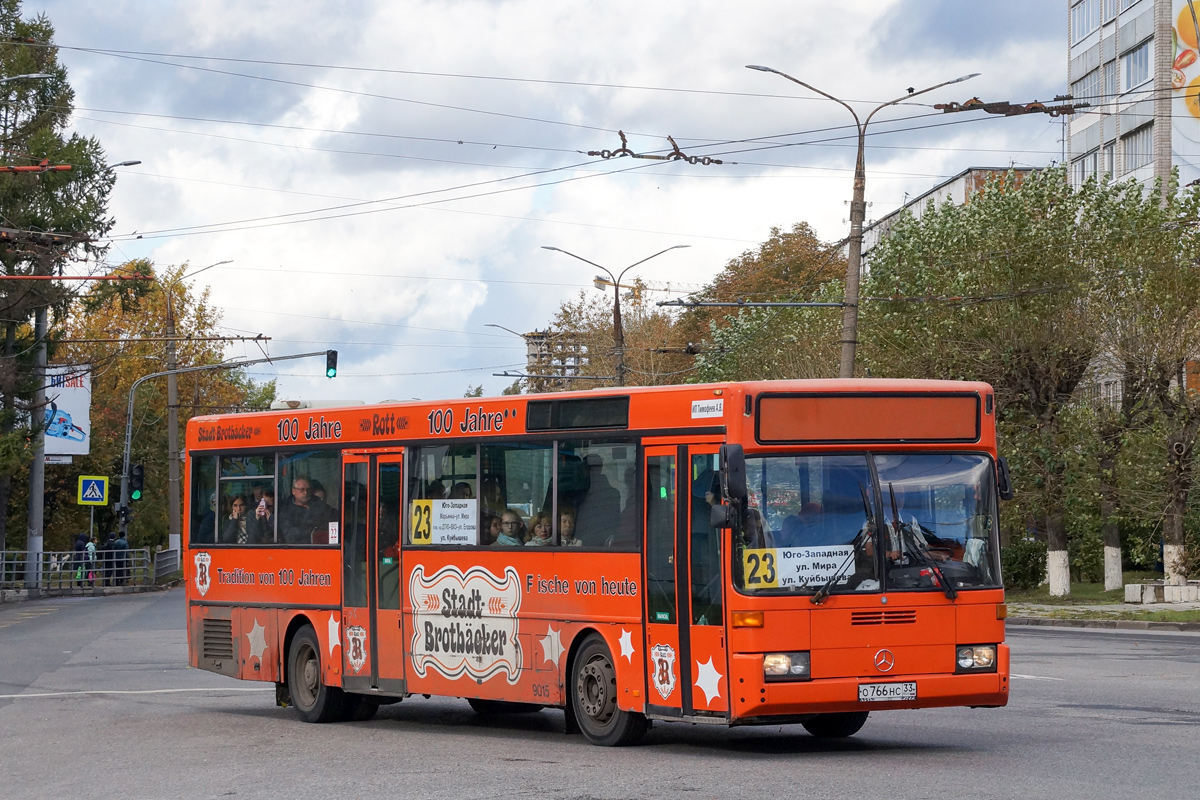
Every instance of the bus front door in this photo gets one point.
(685, 640)
(371, 622)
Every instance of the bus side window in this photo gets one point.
(598, 480)
(204, 500)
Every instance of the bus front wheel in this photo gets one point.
(314, 701)
(836, 726)
(594, 698)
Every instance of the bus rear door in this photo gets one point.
(371, 621)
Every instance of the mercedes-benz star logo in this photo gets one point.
(884, 660)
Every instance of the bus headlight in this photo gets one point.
(975, 658)
(786, 666)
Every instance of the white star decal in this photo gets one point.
(627, 645)
(551, 645)
(335, 633)
(258, 642)
(708, 680)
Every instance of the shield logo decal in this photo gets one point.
(202, 561)
(662, 656)
(356, 650)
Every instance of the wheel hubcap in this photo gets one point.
(596, 689)
(310, 676)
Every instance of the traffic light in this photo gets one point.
(330, 363)
(137, 481)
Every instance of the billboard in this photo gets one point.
(1185, 89)
(68, 410)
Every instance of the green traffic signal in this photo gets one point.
(137, 481)
(330, 363)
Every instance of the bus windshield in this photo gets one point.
(812, 523)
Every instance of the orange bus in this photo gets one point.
(741, 553)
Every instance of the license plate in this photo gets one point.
(883, 692)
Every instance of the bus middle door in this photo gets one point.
(372, 633)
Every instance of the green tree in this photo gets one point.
(1003, 282)
(34, 117)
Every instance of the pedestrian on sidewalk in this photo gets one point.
(121, 560)
(106, 560)
(91, 561)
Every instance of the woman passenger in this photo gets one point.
(541, 532)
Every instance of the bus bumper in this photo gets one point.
(753, 697)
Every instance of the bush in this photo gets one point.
(1023, 563)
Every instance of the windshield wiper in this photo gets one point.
(906, 535)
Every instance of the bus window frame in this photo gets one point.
(220, 454)
(413, 447)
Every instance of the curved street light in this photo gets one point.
(858, 211)
(618, 331)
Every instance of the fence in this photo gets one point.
(63, 573)
(166, 563)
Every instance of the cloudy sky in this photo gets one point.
(384, 173)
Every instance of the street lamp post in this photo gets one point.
(175, 508)
(618, 330)
(858, 213)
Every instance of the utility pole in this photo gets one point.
(37, 468)
(858, 212)
(618, 329)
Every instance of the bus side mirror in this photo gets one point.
(733, 472)
(1003, 482)
(721, 517)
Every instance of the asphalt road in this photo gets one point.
(96, 701)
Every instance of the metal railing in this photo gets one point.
(66, 572)
(166, 564)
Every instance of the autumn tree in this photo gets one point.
(33, 128)
(117, 331)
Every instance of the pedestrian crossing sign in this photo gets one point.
(93, 491)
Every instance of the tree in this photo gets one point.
(116, 330)
(33, 122)
(1003, 288)
(762, 343)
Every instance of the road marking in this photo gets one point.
(1034, 677)
(137, 691)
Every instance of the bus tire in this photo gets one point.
(358, 708)
(836, 726)
(594, 698)
(313, 700)
(492, 707)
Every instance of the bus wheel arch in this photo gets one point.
(313, 699)
(592, 692)
(297, 622)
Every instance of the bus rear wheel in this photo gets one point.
(836, 726)
(314, 701)
(594, 698)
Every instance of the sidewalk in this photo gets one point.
(1066, 616)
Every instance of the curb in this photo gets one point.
(8, 596)
(1110, 624)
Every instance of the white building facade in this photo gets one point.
(1137, 62)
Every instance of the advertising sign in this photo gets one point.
(68, 411)
(1185, 89)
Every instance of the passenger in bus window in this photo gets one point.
(599, 507)
(492, 496)
(262, 524)
(235, 530)
(540, 530)
(303, 515)
(489, 529)
(206, 529)
(566, 527)
(461, 491)
(512, 530)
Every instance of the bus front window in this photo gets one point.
(810, 526)
(939, 511)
